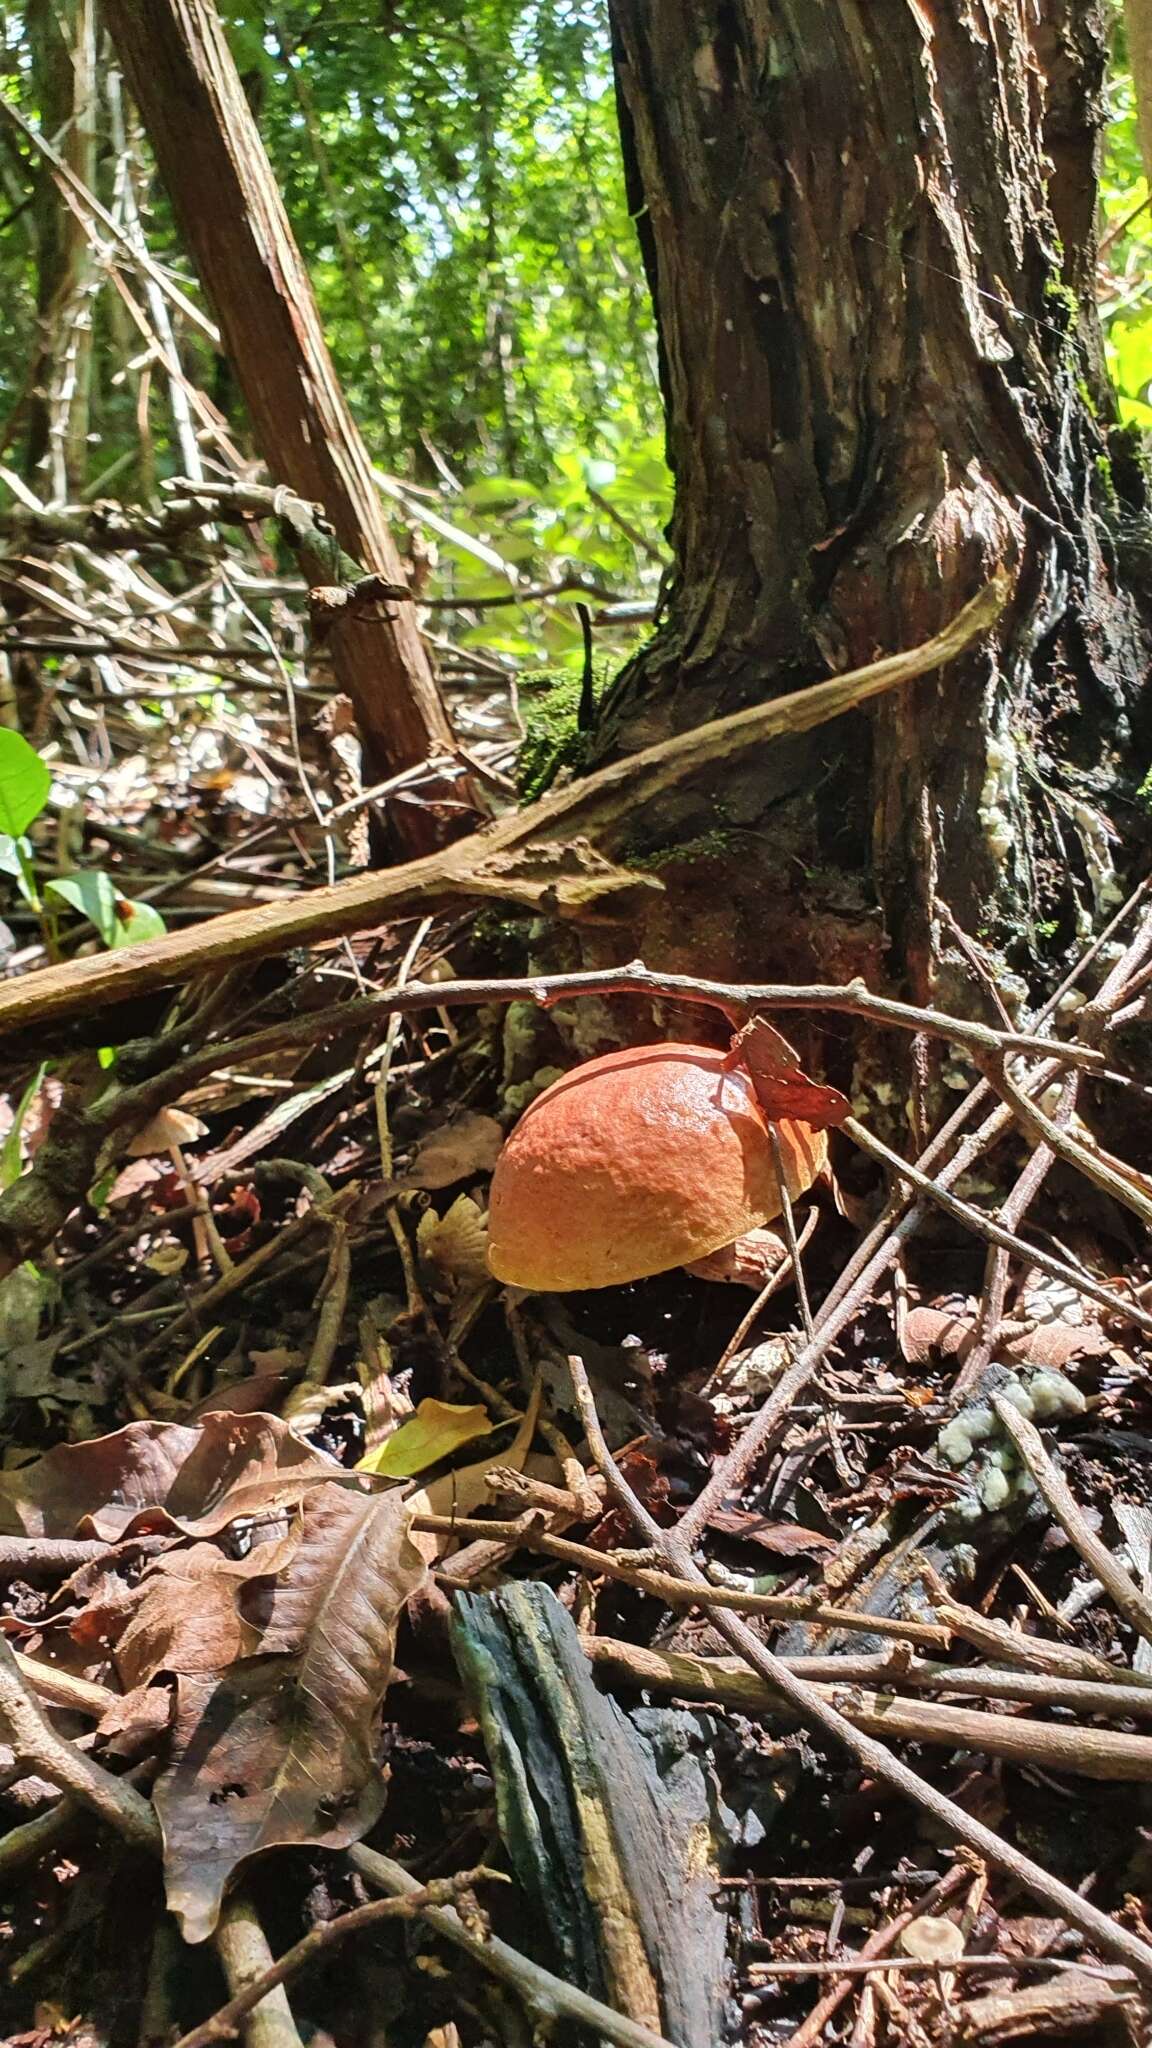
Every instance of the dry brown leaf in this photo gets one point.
(934, 1331)
(460, 1150)
(747, 1262)
(134, 1724)
(783, 1089)
(187, 1618)
(282, 1747)
(784, 1539)
(157, 1476)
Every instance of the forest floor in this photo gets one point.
(267, 1339)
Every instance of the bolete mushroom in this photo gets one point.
(637, 1162)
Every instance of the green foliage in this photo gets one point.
(549, 705)
(454, 177)
(1126, 302)
(24, 783)
(95, 895)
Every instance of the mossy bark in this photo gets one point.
(869, 234)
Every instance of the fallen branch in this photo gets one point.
(325, 1935)
(38, 1746)
(483, 866)
(242, 1947)
(1103, 1753)
(526, 1533)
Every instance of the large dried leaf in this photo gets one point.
(134, 1466)
(186, 1617)
(165, 1476)
(281, 1748)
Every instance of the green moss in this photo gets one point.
(1060, 297)
(549, 707)
(718, 844)
(1145, 790)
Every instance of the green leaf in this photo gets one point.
(93, 894)
(16, 860)
(437, 1428)
(11, 1157)
(118, 921)
(136, 921)
(24, 783)
(490, 491)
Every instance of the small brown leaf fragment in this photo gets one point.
(748, 1261)
(783, 1539)
(935, 1332)
(782, 1087)
(133, 1725)
(460, 1150)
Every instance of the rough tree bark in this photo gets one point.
(869, 235)
(208, 148)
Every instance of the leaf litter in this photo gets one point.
(246, 1482)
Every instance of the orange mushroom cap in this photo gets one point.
(635, 1163)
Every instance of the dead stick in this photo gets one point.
(1102, 1753)
(526, 1533)
(37, 1744)
(548, 1998)
(223, 2026)
(1123, 1591)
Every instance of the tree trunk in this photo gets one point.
(213, 163)
(869, 235)
(62, 43)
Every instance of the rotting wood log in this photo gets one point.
(214, 165)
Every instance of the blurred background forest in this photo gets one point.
(454, 180)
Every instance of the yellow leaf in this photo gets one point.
(437, 1428)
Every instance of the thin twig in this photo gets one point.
(527, 1533)
(1053, 1487)
(876, 1947)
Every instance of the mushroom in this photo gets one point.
(637, 1162)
